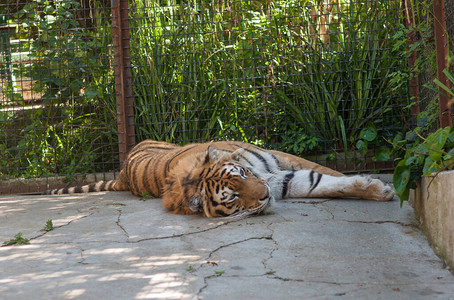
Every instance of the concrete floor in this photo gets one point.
(112, 245)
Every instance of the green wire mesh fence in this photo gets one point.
(82, 81)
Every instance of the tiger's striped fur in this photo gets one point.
(228, 178)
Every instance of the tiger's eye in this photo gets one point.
(243, 173)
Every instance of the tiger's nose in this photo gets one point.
(266, 195)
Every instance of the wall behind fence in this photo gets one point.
(313, 78)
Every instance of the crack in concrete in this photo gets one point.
(384, 222)
(181, 234)
(277, 277)
(326, 208)
(205, 284)
(71, 221)
(270, 256)
(82, 258)
(207, 259)
(315, 202)
(55, 227)
(119, 225)
(84, 242)
(308, 281)
(349, 290)
(271, 273)
(238, 242)
(123, 229)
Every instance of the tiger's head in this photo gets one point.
(216, 185)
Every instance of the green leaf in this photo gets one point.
(422, 122)
(369, 134)
(344, 135)
(49, 9)
(435, 156)
(449, 74)
(450, 140)
(451, 152)
(400, 181)
(435, 143)
(92, 92)
(412, 160)
(398, 138)
(411, 136)
(362, 147)
(438, 139)
(443, 86)
(190, 269)
(383, 154)
(417, 147)
(50, 19)
(435, 90)
(144, 196)
(429, 166)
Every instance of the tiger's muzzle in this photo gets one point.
(265, 204)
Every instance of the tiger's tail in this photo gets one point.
(89, 188)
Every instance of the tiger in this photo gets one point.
(228, 178)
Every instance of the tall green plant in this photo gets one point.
(345, 82)
(176, 98)
(252, 69)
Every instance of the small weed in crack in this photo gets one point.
(49, 226)
(17, 241)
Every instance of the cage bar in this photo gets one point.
(123, 84)
(441, 45)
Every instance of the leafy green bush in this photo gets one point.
(419, 155)
(70, 70)
(423, 156)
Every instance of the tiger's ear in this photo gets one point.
(237, 154)
(195, 203)
(212, 155)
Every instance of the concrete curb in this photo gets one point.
(433, 201)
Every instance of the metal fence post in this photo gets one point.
(123, 78)
(441, 46)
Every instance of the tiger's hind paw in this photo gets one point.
(375, 189)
